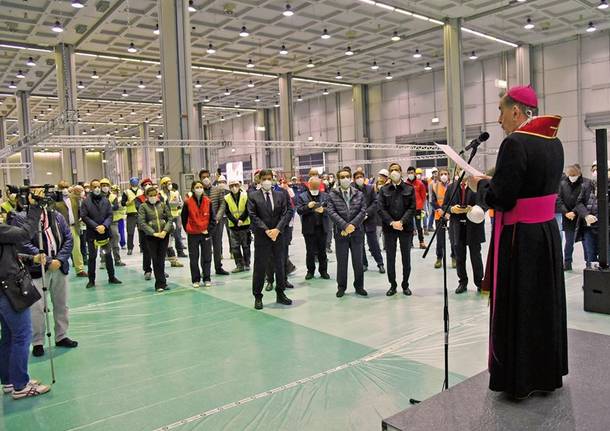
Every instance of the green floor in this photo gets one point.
(204, 359)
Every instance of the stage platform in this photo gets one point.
(582, 404)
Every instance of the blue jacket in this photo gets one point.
(63, 239)
(341, 215)
(308, 215)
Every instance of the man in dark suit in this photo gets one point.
(270, 213)
(370, 221)
(346, 208)
(466, 233)
(311, 206)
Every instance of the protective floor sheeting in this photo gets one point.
(205, 360)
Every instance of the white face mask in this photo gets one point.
(153, 199)
(147, 186)
(97, 191)
(234, 189)
(360, 181)
(314, 192)
(444, 178)
(65, 192)
(418, 176)
(411, 177)
(395, 176)
(266, 185)
(573, 178)
(206, 182)
(105, 189)
(325, 182)
(345, 182)
(198, 191)
(12, 196)
(170, 187)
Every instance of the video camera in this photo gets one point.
(50, 194)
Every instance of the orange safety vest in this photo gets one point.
(440, 196)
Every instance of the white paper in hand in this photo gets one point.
(450, 152)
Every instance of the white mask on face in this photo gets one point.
(12, 196)
(344, 182)
(573, 178)
(153, 199)
(97, 191)
(206, 182)
(325, 182)
(147, 186)
(314, 192)
(105, 189)
(170, 187)
(360, 181)
(444, 178)
(198, 191)
(266, 185)
(395, 176)
(411, 177)
(418, 176)
(65, 192)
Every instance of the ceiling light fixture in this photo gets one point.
(156, 30)
(349, 51)
(325, 92)
(57, 28)
(374, 66)
(227, 92)
(388, 76)
(250, 84)
(49, 108)
(77, 4)
(310, 63)
(237, 104)
(141, 85)
(276, 104)
(325, 34)
(244, 32)
(473, 56)
(288, 11)
(339, 75)
(250, 65)
(133, 112)
(258, 99)
(528, 24)
(222, 118)
(206, 99)
(238, 114)
(132, 48)
(94, 75)
(417, 54)
(283, 50)
(124, 94)
(395, 37)
(191, 6)
(197, 84)
(30, 62)
(427, 67)
(20, 75)
(603, 4)
(12, 85)
(591, 28)
(159, 74)
(210, 49)
(299, 98)
(80, 85)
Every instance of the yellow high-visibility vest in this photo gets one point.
(130, 205)
(237, 209)
(116, 214)
(173, 200)
(7, 207)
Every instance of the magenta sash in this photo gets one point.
(529, 211)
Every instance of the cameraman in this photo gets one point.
(17, 326)
(57, 245)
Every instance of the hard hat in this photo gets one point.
(165, 180)
(476, 214)
(419, 171)
(105, 181)
(222, 178)
(134, 181)
(234, 181)
(146, 181)
(383, 172)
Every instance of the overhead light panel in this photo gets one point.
(210, 49)
(283, 50)
(132, 48)
(374, 66)
(141, 85)
(349, 51)
(57, 28)
(473, 56)
(325, 34)
(30, 62)
(77, 4)
(20, 75)
(244, 32)
(591, 28)
(192, 6)
(288, 11)
(528, 24)
(395, 37)
(156, 30)
(603, 4)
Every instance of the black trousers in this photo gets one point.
(266, 251)
(461, 242)
(132, 223)
(344, 245)
(315, 246)
(146, 259)
(287, 238)
(419, 215)
(373, 242)
(441, 240)
(200, 256)
(240, 246)
(405, 237)
(84, 245)
(157, 248)
(217, 244)
(107, 251)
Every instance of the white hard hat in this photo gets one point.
(383, 172)
(476, 214)
(222, 178)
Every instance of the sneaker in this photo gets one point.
(120, 264)
(8, 389)
(147, 276)
(207, 283)
(196, 285)
(159, 290)
(238, 269)
(38, 350)
(30, 390)
(176, 264)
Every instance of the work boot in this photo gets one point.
(438, 263)
(462, 287)
(269, 286)
(281, 298)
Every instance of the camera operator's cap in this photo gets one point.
(419, 171)
(383, 172)
(146, 181)
(165, 180)
(105, 181)
(524, 94)
(134, 181)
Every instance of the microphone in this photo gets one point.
(478, 141)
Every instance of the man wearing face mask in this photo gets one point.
(420, 199)
(311, 206)
(239, 226)
(117, 215)
(439, 190)
(128, 201)
(397, 209)
(173, 198)
(370, 222)
(431, 214)
(68, 207)
(216, 195)
(10, 204)
(569, 189)
(346, 208)
(270, 213)
(96, 212)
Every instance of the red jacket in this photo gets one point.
(420, 193)
(198, 219)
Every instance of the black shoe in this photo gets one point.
(325, 275)
(381, 269)
(269, 287)
(166, 288)
(258, 304)
(329, 250)
(340, 293)
(114, 280)
(38, 350)
(406, 291)
(283, 299)
(129, 252)
(90, 284)
(309, 276)
(391, 291)
(222, 272)
(479, 288)
(120, 264)
(289, 285)
(462, 287)
(66, 342)
(567, 266)
(181, 254)
(291, 269)
(361, 292)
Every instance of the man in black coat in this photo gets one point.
(270, 213)
(96, 212)
(397, 210)
(466, 233)
(370, 221)
(346, 208)
(569, 190)
(311, 206)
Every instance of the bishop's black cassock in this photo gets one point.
(528, 328)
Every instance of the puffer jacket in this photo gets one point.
(11, 237)
(342, 215)
(155, 218)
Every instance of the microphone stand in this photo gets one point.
(442, 226)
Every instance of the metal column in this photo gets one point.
(204, 152)
(361, 121)
(179, 112)
(286, 122)
(145, 135)
(5, 178)
(524, 70)
(74, 165)
(454, 82)
(23, 118)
